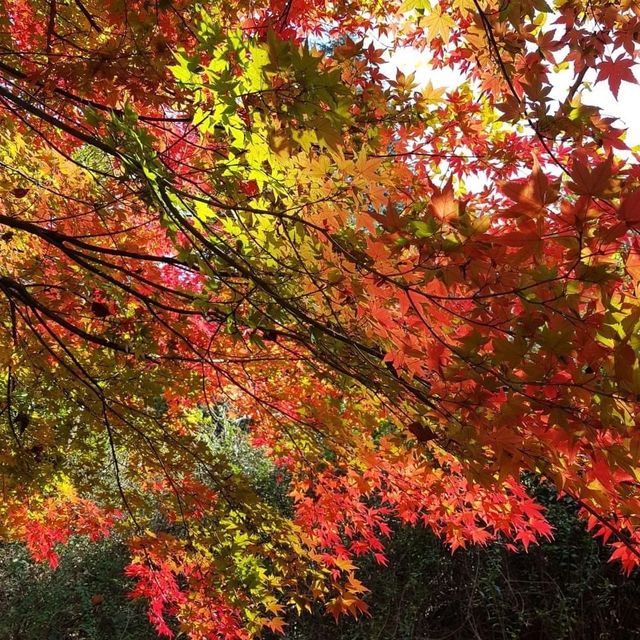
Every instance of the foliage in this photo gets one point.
(201, 208)
(559, 590)
(85, 597)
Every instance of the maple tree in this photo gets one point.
(207, 204)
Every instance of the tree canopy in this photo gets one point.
(408, 295)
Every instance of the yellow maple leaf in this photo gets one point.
(429, 93)
(276, 625)
(437, 24)
(464, 6)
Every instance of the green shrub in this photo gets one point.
(85, 598)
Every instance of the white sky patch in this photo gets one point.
(626, 108)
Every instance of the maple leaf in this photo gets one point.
(438, 24)
(616, 71)
(443, 203)
(532, 195)
(277, 625)
(464, 6)
(431, 94)
(595, 180)
(629, 210)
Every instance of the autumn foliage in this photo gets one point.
(414, 294)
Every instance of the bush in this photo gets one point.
(85, 598)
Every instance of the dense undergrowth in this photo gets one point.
(560, 590)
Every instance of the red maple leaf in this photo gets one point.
(615, 71)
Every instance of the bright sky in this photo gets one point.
(626, 107)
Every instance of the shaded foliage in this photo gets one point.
(84, 598)
(560, 590)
